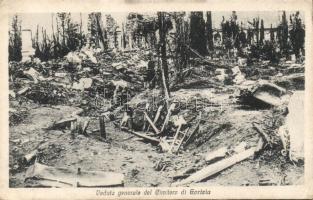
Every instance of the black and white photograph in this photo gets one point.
(156, 99)
(163, 99)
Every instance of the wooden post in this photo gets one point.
(175, 138)
(73, 128)
(102, 127)
(169, 112)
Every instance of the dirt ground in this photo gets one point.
(143, 163)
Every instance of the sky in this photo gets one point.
(31, 20)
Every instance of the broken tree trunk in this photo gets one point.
(164, 67)
(218, 166)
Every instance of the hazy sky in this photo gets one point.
(30, 21)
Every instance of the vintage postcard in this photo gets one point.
(156, 100)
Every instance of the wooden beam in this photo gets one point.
(218, 166)
(151, 123)
(157, 115)
(140, 135)
(167, 118)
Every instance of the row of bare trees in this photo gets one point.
(193, 32)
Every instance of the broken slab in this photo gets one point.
(12, 94)
(238, 76)
(221, 74)
(72, 57)
(23, 90)
(219, 166)
(84, 83)
(295, 126)
(32, 74)
(217, 154)
(120, 83)
(39, 175)
(263, 94)
(242, 61)
(63, 123)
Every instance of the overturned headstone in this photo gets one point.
(263, 94)
(39, 175)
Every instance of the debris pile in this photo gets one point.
(158, 101)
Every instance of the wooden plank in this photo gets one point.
(218, 166)
(157, 115)
(22, 91)
(151, 123)
(175, 138)
(167, 118)
(140, 135)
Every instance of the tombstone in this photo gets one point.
(27, 49)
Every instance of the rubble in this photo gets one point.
(207, 113)
(84, 83)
